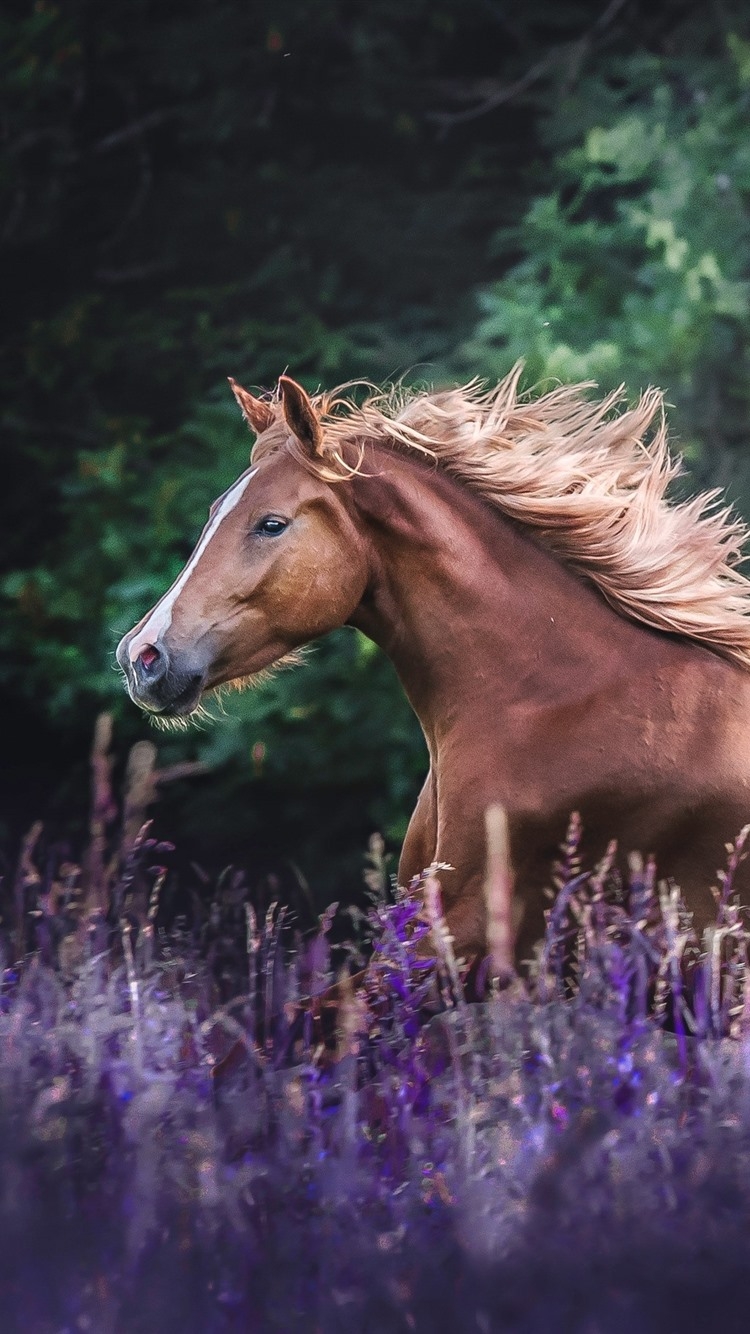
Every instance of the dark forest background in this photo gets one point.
(431, 189)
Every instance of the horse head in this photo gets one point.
(279, 562)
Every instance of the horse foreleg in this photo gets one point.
(419, 848)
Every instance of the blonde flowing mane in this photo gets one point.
(589, 478)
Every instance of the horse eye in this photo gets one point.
(271, 526)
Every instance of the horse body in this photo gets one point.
(534, 693)
(532, 690)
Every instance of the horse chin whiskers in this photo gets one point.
(180, 722)
(203, 713)
(296, 658)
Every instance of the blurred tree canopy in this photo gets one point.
(207, 188)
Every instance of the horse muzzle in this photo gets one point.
(161, 681)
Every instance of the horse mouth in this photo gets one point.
(184, 703)
(179, 704)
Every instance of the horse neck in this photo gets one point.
(476, 617)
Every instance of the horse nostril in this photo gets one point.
(148, 656)
(150, 662)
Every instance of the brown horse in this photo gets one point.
(569, 638)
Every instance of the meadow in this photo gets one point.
(192, 1141)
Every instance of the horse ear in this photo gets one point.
(300, 415)
(257, 414)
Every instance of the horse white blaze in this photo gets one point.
(161, 617)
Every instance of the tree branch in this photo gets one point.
(136, 273)
(445, 120)
(134, 129)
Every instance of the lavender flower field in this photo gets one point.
(193, 1139)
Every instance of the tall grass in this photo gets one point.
(193, 1139)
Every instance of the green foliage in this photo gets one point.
(634, 263)
(306, 766)
(304, 720)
